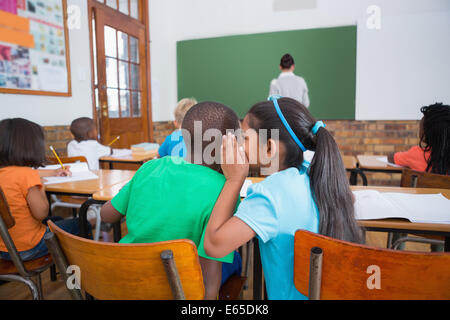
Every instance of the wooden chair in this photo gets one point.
(156, 271)
(325, 268)
(417, 179)
(28, 272)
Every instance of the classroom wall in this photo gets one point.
(53, 111)
(177, 20)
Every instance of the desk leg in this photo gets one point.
(363, 176)
(257, 272)
(447, 244)
(353, 177)
(111, 165)
(83, 216)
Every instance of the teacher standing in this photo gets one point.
(288, 84)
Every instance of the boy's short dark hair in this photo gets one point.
(21, 143)
(212, 115)
(287, 61)
(81, 127)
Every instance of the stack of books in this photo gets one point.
(144, 149)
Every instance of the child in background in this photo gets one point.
(433, 152)
(296, 195)
(85, 144)
(170, 198)
(174, 145)
(22, 148)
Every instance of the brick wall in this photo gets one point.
(353, 138)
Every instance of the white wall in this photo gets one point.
(52, 111)
(403, 66)
(175, 20)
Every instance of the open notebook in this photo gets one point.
(421, 208)
(80, 171)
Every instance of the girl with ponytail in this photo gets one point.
(296, 194)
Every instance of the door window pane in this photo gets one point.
(134, 49)
(113, 103)
(125, 103)
(134, 4)
(110, 42)
(112, 3)
(123, 45)
(136, 100)
(135, 77)
(124, 75)
(111, 73)
(123, 6)
(94, 49)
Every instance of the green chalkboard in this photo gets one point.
(237, 70)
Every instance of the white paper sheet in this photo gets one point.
(385, 160)
(118, 153)
(421, 208)
(247, 183)
(80, 171)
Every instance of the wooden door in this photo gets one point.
(121, 78)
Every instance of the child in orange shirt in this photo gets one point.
(433, 152)
(22, 148)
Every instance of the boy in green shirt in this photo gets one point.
(171, 198)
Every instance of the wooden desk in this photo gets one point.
(132, 159)
(370, 163)
(87, 188)
(403, 225)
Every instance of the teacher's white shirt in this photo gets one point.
(291, 86)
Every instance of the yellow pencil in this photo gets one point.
(117, 138)
(56, 155)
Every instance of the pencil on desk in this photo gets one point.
(117, 138)
(57, 158)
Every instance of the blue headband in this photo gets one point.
(317, 126)
(274, 99)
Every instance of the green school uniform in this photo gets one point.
(170, 199)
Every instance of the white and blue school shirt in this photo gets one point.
(275, 209)
(289, 85)
(173, 145)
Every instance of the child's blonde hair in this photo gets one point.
(183, 106)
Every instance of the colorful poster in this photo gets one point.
(9, 6)
(44, 67)
(15, 67)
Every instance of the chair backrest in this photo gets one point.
(417, 179)
(113, 271)
(52, 160)
(5, 213)
(352, 271)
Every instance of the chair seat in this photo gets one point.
(36, 265)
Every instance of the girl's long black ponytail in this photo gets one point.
(331, 191)
(328, 179)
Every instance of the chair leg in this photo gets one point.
(39, 286)
(31, 285)
(53, 273)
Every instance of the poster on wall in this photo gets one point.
(42, 68)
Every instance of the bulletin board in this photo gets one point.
(42, 68)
